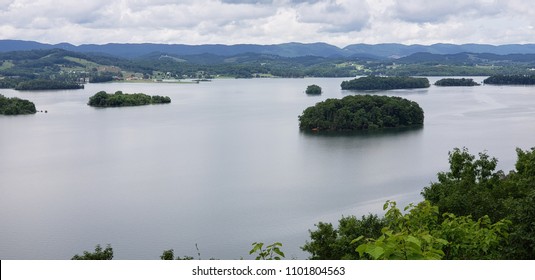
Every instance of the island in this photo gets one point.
(16, 106)
(361, 112)
(451, 82)
(385, 83)
(510, 80)
(313, 90)
(42, 84)
(120, 99)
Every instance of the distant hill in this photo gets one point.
(400, 50)
(282, 50)
(466, 58)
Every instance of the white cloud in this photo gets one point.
(339, 22)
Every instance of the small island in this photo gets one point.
(120, 99)
(313, 90)
(385, 83)
(41, 84)
(361, 112)
(16, 106)
(510, 80)
(451, 82)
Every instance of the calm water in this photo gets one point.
(224, 165)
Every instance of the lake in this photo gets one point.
(225, 165)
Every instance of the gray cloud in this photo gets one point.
(334, 16)
(421, 11)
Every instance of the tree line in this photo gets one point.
(510, 80)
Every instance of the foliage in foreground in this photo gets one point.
(472, 212)
(98, 254)
(473, 187)
(271, 252)
(361, 112)
(120, 99)
(15, 106)
(422, 234)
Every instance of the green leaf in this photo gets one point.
(375, 251)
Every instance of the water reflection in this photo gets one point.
(370, 133)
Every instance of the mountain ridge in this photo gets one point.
(291, 49)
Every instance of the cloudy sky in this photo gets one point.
(337, 22)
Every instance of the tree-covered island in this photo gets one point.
(16, 106)
(120, 99)
(510, 80)
(313, 90)
(43, 84)
(361, 112)
(451, 82)
(385, 83)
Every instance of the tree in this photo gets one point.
(98, 254)
(328, 243)
(473, 187)
(313, 89)
(170, 255)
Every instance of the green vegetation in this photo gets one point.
(15, 106)
(271, 252)
(41, 84)
(510, 80)
(385, 83)
(423, 234)
(450, 82)
(169, 255)
(361, 112)
(329, 243)
(472, 212)
(313, 89)
(98, 254)
(120, 99)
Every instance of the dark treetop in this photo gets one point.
(361, 112)
(313, 89)
(451, 82)
(510, 80)
(120, 99)
(15, 106)
(385, 83)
